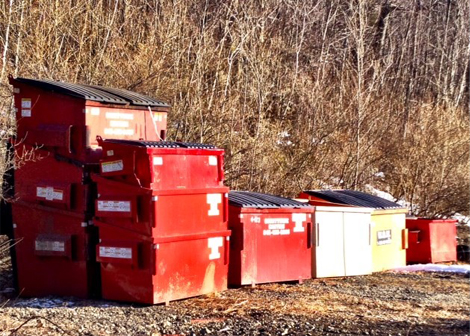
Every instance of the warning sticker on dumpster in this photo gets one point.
(48, 245)
(115, 252)
(114, 206)
(50, 194)
(384, 237)
(112, 166)
(26, 103)
(26, 112)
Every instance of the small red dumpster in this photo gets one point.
(163, 235)
(431, 240)
(271, 239)
(66, 118)
(162, 165)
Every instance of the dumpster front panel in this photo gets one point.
(52, 183)
(283, 245)
(169, 213)
(52, 252)
(329, 245)
(127, 265)
(123, 123)
(435, 240)
(342, 241)
(357, 243)
(443, 241)
(138, 269)
(192, 267)
(388, 245)
(269, 245)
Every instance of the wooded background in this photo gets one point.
(301, 94)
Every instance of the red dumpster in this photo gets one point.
(55, 195)
(55, 246)
(53, 252)
(163, 236)
(272, 239)
(66, 118)
(431, 240)
(52, 183)
(163, 165)
(150, 270)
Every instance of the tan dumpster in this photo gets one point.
(389, 236)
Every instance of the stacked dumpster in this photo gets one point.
(162, 214)
(54, 195)
(272, 239)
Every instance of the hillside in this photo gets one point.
(301, 94)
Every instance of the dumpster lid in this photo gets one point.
(160, 144)
(134, 97)
(355, 198)
(247, 199)
(94, 92)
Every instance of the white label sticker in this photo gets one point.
(157, 161)
(115, 252)
(214, 200)
(118, 115)
(119, 123)
(214, 244)
(384, 237)
(158, 117)
(298, 219)
(277, 226)
(118, 131)
(212, 160)
(276, 232)
(25, 113)
(114, 206)
(110, 153)
(26, 103)
(276, 221)
(112, 166)
(49, 193)
(95, 111)
(50, 245)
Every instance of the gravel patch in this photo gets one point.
(386, 303)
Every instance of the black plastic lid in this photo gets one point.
(160, 144)
(355, 198)
(94, 93)
(247, 199)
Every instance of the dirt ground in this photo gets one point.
(380, 304)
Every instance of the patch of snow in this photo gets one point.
(387, 196)
(380, 174)
(283, 139)
(46, 302)
(463, 269)
(462, 219)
